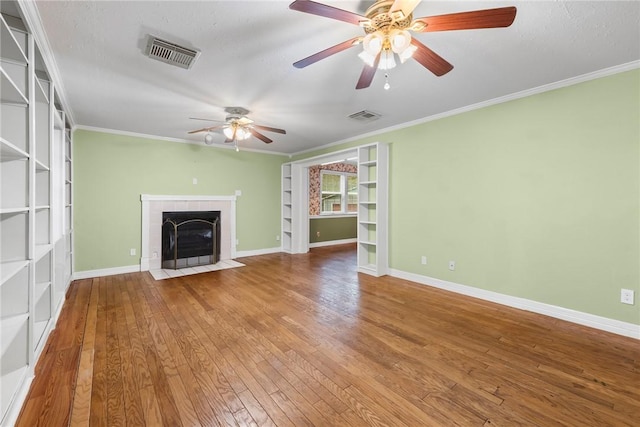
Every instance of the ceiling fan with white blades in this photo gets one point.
(387, 25)
(237, 127)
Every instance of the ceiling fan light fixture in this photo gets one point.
(372, 43)
(400, 40)
(387, 60)
(208, 138)
(228, 131)
(407, 53)
(367, 58)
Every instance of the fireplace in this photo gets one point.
(190, 238)
(153, 207)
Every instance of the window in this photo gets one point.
(339, 193)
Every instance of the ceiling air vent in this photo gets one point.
(170, 53)
(365, 116)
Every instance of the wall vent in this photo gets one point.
(170, 53)
(365, 116)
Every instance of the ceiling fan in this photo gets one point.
(387, 25)
(237, 127)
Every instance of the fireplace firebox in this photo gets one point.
(190, 238)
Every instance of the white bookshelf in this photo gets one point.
(287, 208)
(35, 207)
(372, 209)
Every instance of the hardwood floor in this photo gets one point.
(303, 340)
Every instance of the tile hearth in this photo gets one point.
(161, 274)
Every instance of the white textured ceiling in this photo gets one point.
(248, 48)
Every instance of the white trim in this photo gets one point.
(332, 243)
(89, 274)
(170, 139)
(511, 97)
(330, 215)
(255, 252)
(181, 198)
(581, 318)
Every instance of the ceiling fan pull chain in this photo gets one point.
(386, 86)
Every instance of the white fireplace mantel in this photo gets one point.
(152, 207)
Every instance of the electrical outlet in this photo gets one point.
(195, 181)
(627, 296)
(423, 260)
(132, 251)
(277, 237)
(317, 234)
(452, 265)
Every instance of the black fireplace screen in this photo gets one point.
(190, 238)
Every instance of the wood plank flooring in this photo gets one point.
(303, 340)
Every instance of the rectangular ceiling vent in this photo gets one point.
(365, 116)
(170, 53)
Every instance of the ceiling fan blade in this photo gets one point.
(228, 140)
(327, 11)
(327, 52)
(260, 136)
(206, 129)
(430, 60)
(206, 120)
(366, 77)
(270, 129)
(487, 18)
(400, 9)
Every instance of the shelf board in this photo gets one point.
(38, 330)
(41, 289)
(368, 163)
(368, 222)
(286, 231)
(42, 95)
(22, 209)
(367, 203)
(368, 182)
(9, 91)
(41, 167)
(363, 242)
(10, 47)
(12, 380)
(11, 268)
(58, 119)
(67, 158)
(287, 190)
(41, 207)
(11, 326)
(11, 152)
(41, 250)
(67, 181)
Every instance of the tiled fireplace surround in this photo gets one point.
(152, 208)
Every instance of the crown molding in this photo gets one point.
(36, 28)
(511, 97)
(166, 138)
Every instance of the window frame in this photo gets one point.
(344, 193)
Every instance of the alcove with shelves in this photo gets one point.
(35, 174)
(287, 208)
(372, 209)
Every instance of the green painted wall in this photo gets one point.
(332, 229)
(537, 198)
(111, 171)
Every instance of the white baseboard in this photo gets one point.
(241, 254)
(88, 274)
(586, 319)
(332, 242)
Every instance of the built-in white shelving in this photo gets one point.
(372, 209)
(35, 206)
(287, 208)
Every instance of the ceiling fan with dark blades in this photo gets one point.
(237, 127)
(387, 25)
